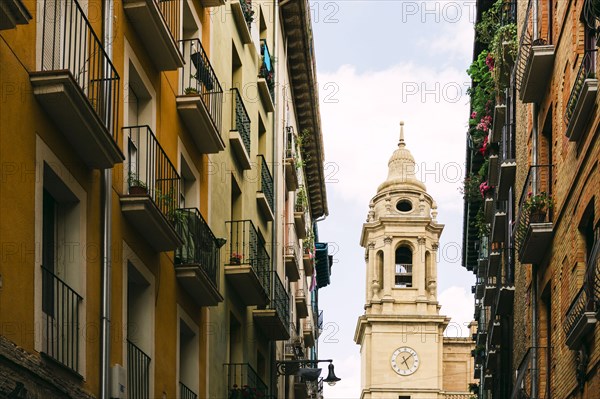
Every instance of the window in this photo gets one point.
(403, 278)
(188, 357)
(404, 205)
(61, 265)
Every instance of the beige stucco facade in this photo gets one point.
(403, 351)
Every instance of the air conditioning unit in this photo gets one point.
(118, 385)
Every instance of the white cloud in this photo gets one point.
(457, 303)
(360, 125)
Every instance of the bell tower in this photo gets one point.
(401, 331)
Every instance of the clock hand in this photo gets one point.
(404, 361)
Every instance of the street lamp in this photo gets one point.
(307, 369)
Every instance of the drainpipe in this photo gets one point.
(106, 202)
(276, 162)
(534, 302)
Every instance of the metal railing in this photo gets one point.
(266, 181)
(320, 320)
(150, 169)
(240, 119)
(248, 13)
(199, 78)
(138, 372)
(280, 300)
(292, 243)
(200, 246)
(60, 315)
(458, 396)
(531, 369)
(69, 43)
(593, 269)
(266, 68)
(528, 39)
(244, 382)
(170, 11)
(185, 392)
(538, 182)
(290, 143)
(581, 304)
(509, 12)
(591, 13)
(247, 247)
(587, 70)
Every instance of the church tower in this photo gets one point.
(401, 331)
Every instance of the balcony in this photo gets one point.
(488, 208)
(244, 382)
(197, 260)
(274, 320)
(506, 295)
(266, 78)
(185, 392)
(292, 253)
(13, 13)
(308, 333)
(493, 170)
(308, 261)
(291, 157)
(580, 318)
(239, 135)
(77, 85)
(157, 24)
(200, 100)
(508, 171)
(494, 262)
(301, 304)
(153, 185)
(533, 227)
(264, 195)
(243, 16)
(489, 291)
(300, 210)
(528, 370)
(60, 320)
(248, 266)
(499, 226)
(535, 59)
(138, 372)
(478, 288)
(583, 97)
(498, 123)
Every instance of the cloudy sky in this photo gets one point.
(379, 62)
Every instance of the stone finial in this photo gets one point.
(401, 142)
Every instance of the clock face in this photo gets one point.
(405, 361)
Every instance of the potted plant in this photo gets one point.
(247, 11)
(245, 392)
(235, 259)
(537, 206)
(301, 200)
(190, 91)
(136, 186)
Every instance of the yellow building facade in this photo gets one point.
(159, 205)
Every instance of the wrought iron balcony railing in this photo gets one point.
(199, 78)
(591, 13)
(280, 300)
(69, 43)
(240, 118)
(266, 181)
(244, 382)
(185, 392)
(170, 11)
(245, 246)
(200, 246)
(290, 143)
(138, 372)
(509, 12)
(587, 70)
(535, 203)
(532, 368)
(60, 309)
(151, 171)
(266, 69)
(529, 38)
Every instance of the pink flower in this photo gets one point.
(474, 115)
(489, 61)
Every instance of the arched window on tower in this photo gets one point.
(404, 266)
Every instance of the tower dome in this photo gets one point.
(401, 168)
